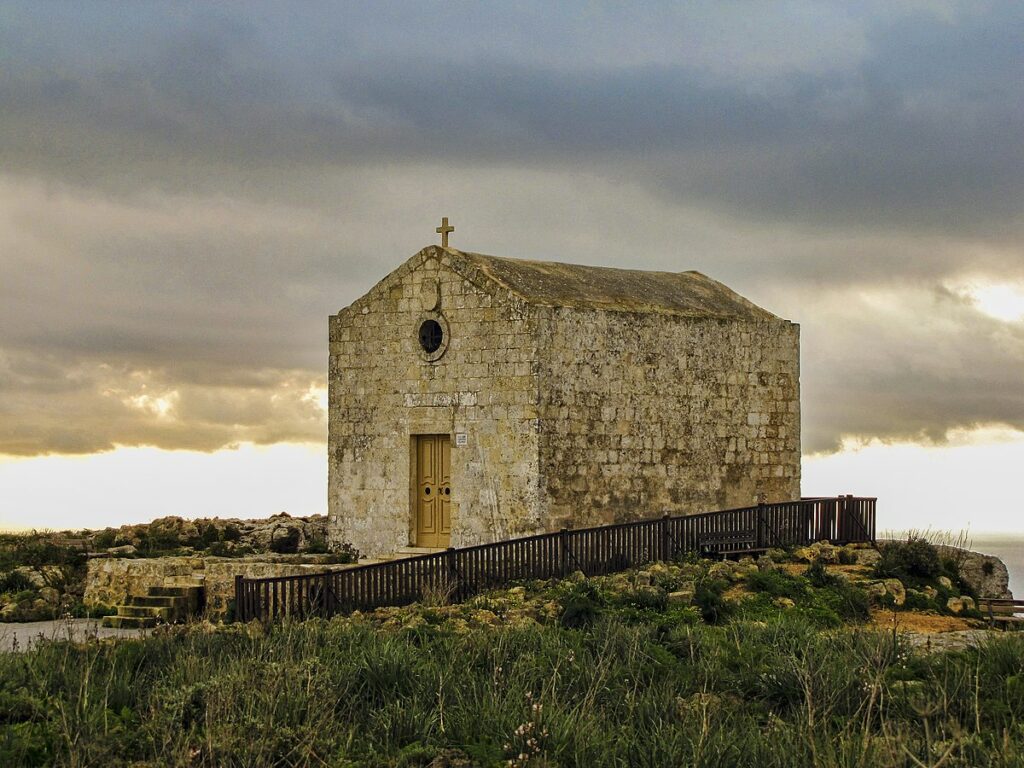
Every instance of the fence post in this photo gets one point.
(239, 602)
(325, 596)
(453, 572)
(666, 541)
(759, 525)
(842, 519)
(563, 552)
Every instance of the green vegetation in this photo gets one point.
(915, 562)
(38, 576)
(677, 664)
(43, 574)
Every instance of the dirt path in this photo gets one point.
(22, 636)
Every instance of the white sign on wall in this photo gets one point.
(461, 439)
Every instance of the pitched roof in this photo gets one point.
(550, 283)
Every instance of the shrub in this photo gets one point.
(919, 601)
(15, 582)
(582, 604)
(847, 601)
(915, 560)
(104, 539)
(224, 549)
(208, 534)
(709, 600)
(818, 575)
(646, 598)
(777, 584)
(317, 545)
(284, 540)
(847, 557)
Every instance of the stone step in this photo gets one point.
(191, 590)
(143, 611)
(129, 622)
(157, 601)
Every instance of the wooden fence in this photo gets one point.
(461, 573)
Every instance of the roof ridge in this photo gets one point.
(564, 284)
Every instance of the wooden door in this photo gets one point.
(433, 491)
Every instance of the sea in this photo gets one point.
(1010, 549)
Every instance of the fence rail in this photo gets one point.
(464, 572)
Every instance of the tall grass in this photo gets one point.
(341, 693)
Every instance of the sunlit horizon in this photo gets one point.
(919, 487)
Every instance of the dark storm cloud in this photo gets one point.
(922, 132)
(187, 190)
(908, 365)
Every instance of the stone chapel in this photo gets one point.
(474, 398)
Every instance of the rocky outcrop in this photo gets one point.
(985, 574)
(279, 533)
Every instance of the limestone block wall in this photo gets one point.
(383, 390)
(645, 413)
(110, 581)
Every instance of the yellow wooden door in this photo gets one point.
(433, 491)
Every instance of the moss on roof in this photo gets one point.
(555, 284)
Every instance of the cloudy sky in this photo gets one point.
(187, 191)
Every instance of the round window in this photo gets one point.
(431, 336)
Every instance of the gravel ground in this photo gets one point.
(952, 641)
(21, 636)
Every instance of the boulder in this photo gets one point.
(930, 592)
(53, 575)
(745, 567)
(945, 583)
(765, 563)
(985, 574)
(866, 557)
(680, 597)
(125, 550)
(803, 554)
(960, 604)
(50, 595)
(877, 589)
(783, 602)
(825, 551)
(643, 578)
(658, 570)
(895, 588)
(721, 570)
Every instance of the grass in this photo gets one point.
(623, 682)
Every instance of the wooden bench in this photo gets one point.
(1002, 611)
(727, 543)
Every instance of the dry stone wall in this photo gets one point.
(110, 581)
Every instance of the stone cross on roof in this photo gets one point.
(443, 231)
